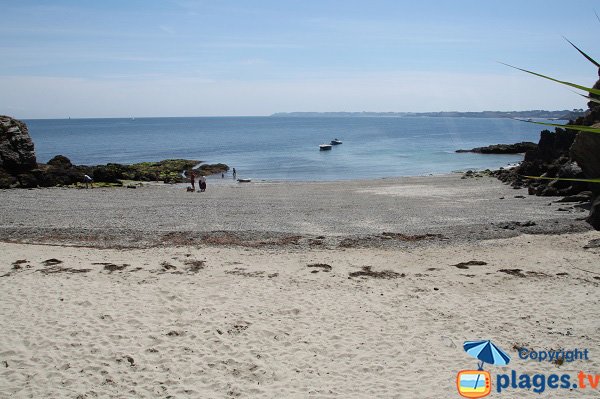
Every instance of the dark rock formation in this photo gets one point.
(17, 157)
(60, 161)
(550, 159)
(586, 151)
(564, 153)
(16, 148)
(517, 148)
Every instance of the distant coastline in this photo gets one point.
(537, 114)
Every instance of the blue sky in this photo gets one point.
(195, 58)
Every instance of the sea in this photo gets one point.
(287, 148)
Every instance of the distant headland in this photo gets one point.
(541, 114)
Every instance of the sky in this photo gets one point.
(125, 58)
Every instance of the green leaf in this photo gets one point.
(588, 89)
(564, 179)
(593, 99)
(582, 53)
(581, 128)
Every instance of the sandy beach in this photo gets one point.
(360, 289)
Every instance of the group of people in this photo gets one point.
(201, 182)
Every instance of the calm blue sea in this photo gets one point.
(286, 148)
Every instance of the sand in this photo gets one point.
(289, 320)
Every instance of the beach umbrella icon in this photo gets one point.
(486, 352)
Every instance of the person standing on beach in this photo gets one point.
(88, 180)
(193, 180)
(202, 183)
(234, 173)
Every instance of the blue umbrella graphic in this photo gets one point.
(486, 352)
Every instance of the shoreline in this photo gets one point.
(385, 213)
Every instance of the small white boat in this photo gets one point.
(244, 180)
(336, 142)
(325, 147)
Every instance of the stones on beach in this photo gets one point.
(52, 262)
(60, 269)
(595, 243)
(367, 271)
(322, 266)
(515, 225)
(416, 237)
(465, 265)
(194, 266)
(111, 267)
(238, 328)
(240, 271)
(513, 272)
(53, 266)
(520, 273)
(583, 196)
(167, 266)
(17, 265)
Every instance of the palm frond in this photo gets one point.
(588, 89)
(563, 179)
(593, 99)
(590, 59)
(580, 128)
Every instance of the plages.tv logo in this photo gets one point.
(478, 383)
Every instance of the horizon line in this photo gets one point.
(294, 112)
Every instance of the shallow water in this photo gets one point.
(286, 148)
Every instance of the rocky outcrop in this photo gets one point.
(586, 152)
(550, 159)
(563, 153)
(18, 166)
(16, 147)
(517, 148)
(17, 156)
